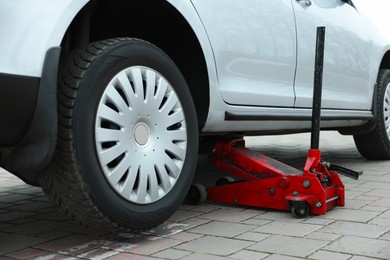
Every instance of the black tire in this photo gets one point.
(376, 144)
(77, 180)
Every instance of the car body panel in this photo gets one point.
(37, 25)
(348, 78)
(256, 120)
(344, 105)
(190, 14)
(254, 67)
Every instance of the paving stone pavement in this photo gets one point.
(31, 228)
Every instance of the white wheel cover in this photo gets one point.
(140, 135)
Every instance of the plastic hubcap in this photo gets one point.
(140, 135)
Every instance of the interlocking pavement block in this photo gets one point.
(292, 246)
(386, 236)
(35, 227)
(180, 215)
(215, 245)
(195, 221)
(374, 208)
(287, 228)
(323, 236)
(185, 236)
(97, 254)
(255, 221)
(13, 242)
(317, 221)
(143, 245)
(282, 257)
(223, 229)
(326, 255)
(355, 204)
(166, 229)
(29, 253)
(350, 215)
(385, 214)
(127, 256)
(13, 215)
(229, 215)
(197, 256)
(380, 221)
(73, 245)
(376, 185)
(252, 236)
(381, 202)
(249, 255)
(279, 215)
(361, 246)
(356, 257)
(355, 229)
(378, 193)
(172, 254)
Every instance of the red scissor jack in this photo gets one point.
(268, 183)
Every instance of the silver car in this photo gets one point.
(104, 103)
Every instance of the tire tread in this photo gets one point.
(62, 181)
(375, 145)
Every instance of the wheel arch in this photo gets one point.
(369, 126)
(385, 63)
(159, 22)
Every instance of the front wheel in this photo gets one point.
(128, 136)
(376, 144)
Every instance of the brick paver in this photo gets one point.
(31, 228)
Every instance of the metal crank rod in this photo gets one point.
(317, 90)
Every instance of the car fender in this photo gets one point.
(187, 9)
(37, 26)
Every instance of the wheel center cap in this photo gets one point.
(141, 134)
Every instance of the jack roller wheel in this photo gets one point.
(300, 210)
(197, 194)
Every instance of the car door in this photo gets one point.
(254, 44)
(346, 59)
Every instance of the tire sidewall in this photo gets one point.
(106, 65)
(384, 80)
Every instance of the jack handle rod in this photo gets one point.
(317, 91)
(345, 171)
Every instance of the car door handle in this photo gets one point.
(305, 2)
